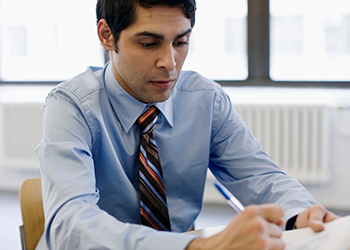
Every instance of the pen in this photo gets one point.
(231, 200)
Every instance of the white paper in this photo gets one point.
(335, 236)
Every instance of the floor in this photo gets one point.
(10, 219)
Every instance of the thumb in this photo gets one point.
(316, 225)
(316, 219)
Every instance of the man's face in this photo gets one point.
(151, 53)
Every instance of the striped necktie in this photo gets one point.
(153, 205)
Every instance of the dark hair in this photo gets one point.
(120, 14)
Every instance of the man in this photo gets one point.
(93, 185)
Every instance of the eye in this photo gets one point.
(180, 43)
(183, 41)
(148, 45)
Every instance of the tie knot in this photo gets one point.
(148, 119)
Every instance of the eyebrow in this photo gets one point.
(161, 37)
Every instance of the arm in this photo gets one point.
(73, 218)
(238, 162)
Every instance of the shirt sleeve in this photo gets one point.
(239, 162)
(73, 219)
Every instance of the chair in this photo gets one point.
(31, 201)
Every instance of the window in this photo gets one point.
(47, 40)
(310, 40)
(219, 40)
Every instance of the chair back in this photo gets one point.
(31, 201)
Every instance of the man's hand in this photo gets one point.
(257, 227)
(315, 217)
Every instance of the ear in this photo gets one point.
(105, 35)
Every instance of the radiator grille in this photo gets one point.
(295, 136)
(21, 131)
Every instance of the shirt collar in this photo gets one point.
(128, 108)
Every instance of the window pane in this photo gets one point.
(47, 40)
(219, 40)
(310, 40)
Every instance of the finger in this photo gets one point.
(274, 230)
(272, 213)
(330, 217)
(280, 222)
(316, 217)
(276, 244)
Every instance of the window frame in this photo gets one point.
(258, 56)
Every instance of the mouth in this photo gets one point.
(163, 84)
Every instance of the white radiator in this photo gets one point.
(295, 136)
(20, 132)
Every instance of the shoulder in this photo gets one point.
(193, 81)
(84, 84)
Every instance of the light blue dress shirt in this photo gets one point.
(89, 162)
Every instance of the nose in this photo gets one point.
(166, 58)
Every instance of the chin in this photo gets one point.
(160, 99)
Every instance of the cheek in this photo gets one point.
(180, 59)
(132, 66)
(141, 63)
